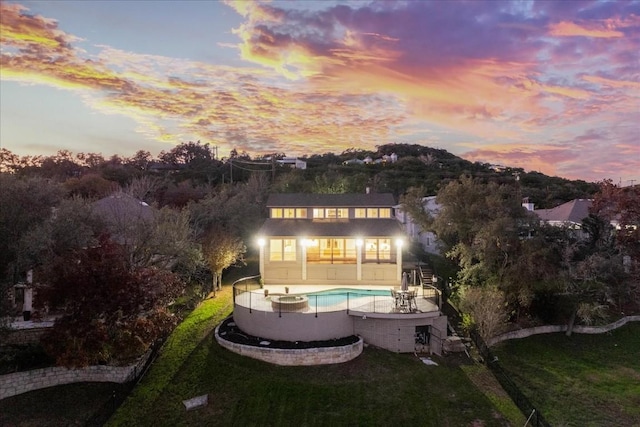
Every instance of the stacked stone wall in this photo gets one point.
(23, 336)
(296, 357)
(547, 329)
(22, 382)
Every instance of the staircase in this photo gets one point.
(426, 275)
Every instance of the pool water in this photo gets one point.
(337, 296)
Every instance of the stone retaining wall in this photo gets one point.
(24, 336)
(547, 329)
(22, 382)
(295, 357)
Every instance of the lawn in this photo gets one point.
(582, 380)
(378, 388)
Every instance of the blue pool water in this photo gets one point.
(337, 296)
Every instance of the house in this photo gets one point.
(427, 239)
(331, 238)
(570, 214)
(330, 266)
(123, 215)
(293, 162)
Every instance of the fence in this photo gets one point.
(534, 417)
(121, 391)
(248, 295)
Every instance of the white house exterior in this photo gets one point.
(331, 238)
(427, 239)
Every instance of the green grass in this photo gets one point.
(582, 380)
(179, 346)
(65, 405)
(377, 388)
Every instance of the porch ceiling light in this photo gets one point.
(359, 242)
(261, 241)
(399, 242)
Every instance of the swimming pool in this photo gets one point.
(342, 295)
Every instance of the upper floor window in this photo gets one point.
(360, 213)
(384, 213)
(288, 213)
(330, 213)
(372, 212)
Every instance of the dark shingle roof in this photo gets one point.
(330, 200)
(336, 228)
(571, 212)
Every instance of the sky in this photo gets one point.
(548, 86)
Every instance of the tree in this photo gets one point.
(24, 203)
(221, 250)
(486, 309)
(112, 310)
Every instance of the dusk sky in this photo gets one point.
(551, 86)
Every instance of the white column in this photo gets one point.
(359, 245)
(261, 243)
(304, 258)
(399, 259)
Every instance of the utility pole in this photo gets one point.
(273, 168)
(231, 169)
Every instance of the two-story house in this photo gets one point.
(322, 239)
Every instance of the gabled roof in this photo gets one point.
(571, 212)
(333, 228)
(330, 200)
(122, 207)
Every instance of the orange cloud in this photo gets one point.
(571, 29)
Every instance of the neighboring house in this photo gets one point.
(294, 162)
(414, 231)
(331, 238)
(570, 214)
(123, 215)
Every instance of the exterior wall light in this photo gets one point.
(359, 242)
(261, 242)
(399, 242)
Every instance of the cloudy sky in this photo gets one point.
(552, 86)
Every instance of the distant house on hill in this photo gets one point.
(293, 162)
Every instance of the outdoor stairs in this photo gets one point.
(426, 275)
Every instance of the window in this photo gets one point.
(372, 212)
(377, 250)
(318, 212)
(332, 251)
(331, 213)
(385, 213)
(289, 213)
(342, 213)
(301, 213)
(282, 250)
(276, 212)
(361, 213)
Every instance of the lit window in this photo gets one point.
(331, 213)
(318, 212)
(276, 213)
(332, 251)
(385, 213)
(377, 250)
(372, 212)
(342, 213)
(301, 213)
(282, 250)
(361, 213)
(289, 213)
